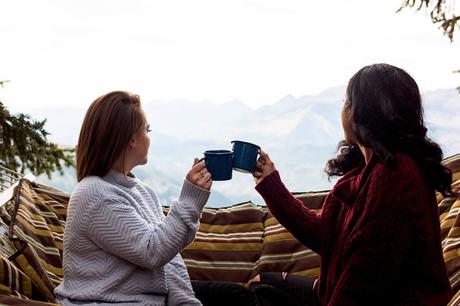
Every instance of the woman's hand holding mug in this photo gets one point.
(199, 175)
(265, 166)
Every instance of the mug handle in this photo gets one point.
(258, 155)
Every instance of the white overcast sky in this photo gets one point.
(59, 52)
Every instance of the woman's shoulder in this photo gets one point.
(402, 174)
(93, 187)
(402, 166)
(148, 188)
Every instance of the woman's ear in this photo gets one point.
(132, 143)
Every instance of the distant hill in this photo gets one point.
(299, 133)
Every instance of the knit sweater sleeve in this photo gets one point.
(115, 226)
(379, 243)
(301, 221)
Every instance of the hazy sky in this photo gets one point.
(60, 52)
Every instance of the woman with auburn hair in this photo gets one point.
(119, 248)
(378, 233)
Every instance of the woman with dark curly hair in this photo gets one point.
(378, 233)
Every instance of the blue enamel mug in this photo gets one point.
(245, 156)
(219, 164)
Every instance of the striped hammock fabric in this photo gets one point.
(36, 219)
(232, 244)
(236, 243)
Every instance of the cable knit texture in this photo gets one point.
(378, 235)
(119, 248)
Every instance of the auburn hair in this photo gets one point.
(110, 123)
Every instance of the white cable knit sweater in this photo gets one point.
(120, 249)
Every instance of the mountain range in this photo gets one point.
(299, 133)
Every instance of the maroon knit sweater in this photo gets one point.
(378, 235)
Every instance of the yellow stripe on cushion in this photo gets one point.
(280, 257)
(26, 286)
(59, 245)
(454, 232)
(35, 277)
(248, 265)
(455, 300)
(56, 228)
(233, 228)
(5, 289)
(447, 223)
(451, 254)
(224, 246)
(456, 203)
(58, 271)
(230, 265)
(49, 250)
(278, 237)
(243, 235)
(455, 176)
(38, 218)
(443, 216)
(271, 221)
(33, 228)
(11, 277)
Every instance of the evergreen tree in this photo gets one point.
(442, 12)
(24, 145)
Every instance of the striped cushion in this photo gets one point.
(12, 280)
(236, 243)
(37, 222)
(455, 301)
(228, 244)
(282, 252)
(232, 244)
(449, 216)
(12, 300)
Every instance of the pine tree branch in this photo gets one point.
(24, 146)
(457, 71)
(441, 13)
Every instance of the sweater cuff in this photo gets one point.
(271, 186)
(194, 197)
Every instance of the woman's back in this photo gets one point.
(388, 241)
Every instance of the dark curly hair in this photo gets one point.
(386, 115)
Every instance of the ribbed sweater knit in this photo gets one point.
(378, 235)
(119, 248)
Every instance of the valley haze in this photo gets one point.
(299, 133)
